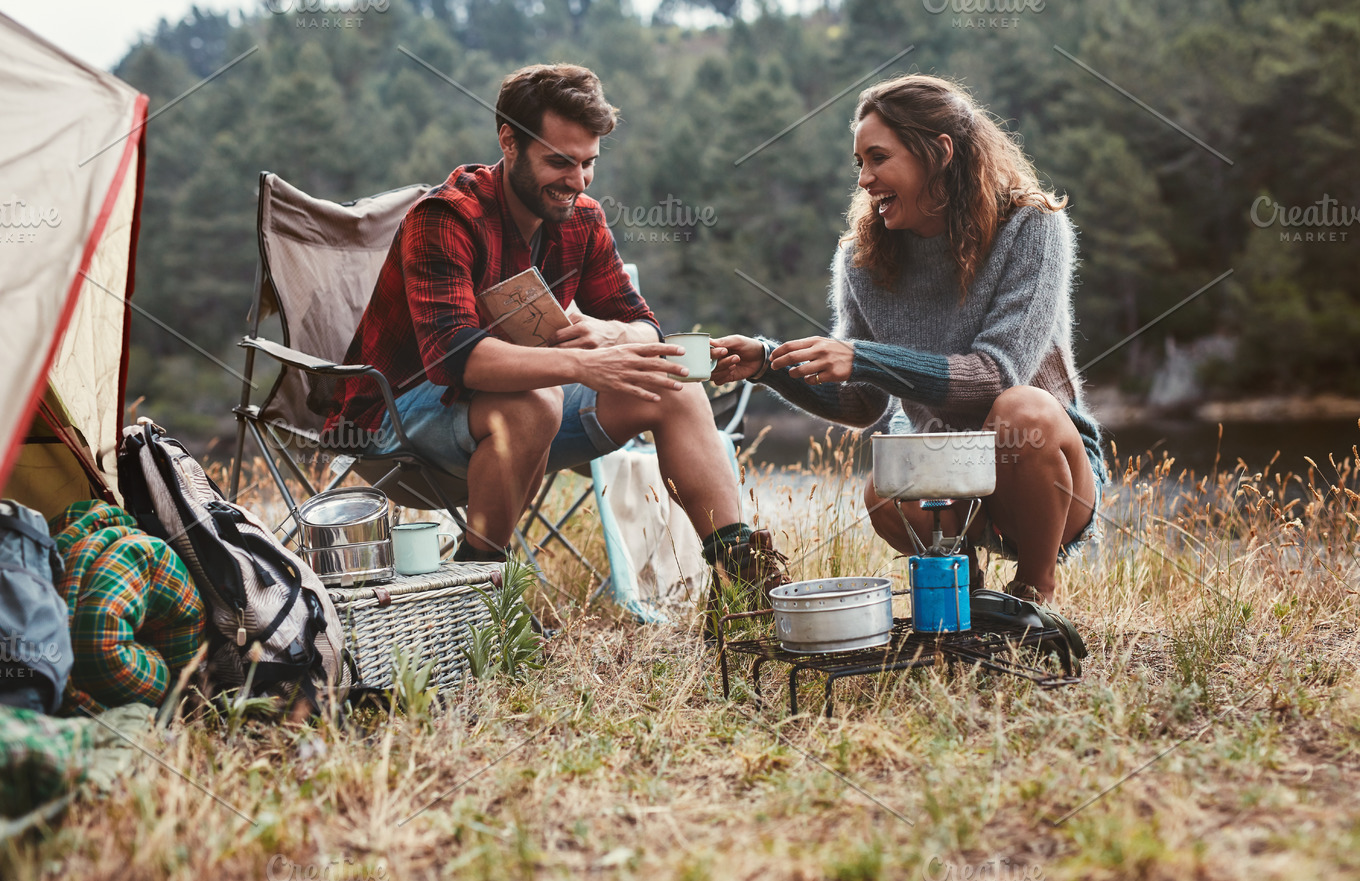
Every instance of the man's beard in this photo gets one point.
(526, 188)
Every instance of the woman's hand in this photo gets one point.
(739, 357)
(816, 360)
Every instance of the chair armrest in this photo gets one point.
(320, 366)
(301, 360)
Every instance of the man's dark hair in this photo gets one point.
(570, 91)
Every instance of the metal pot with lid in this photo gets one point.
(346, 535)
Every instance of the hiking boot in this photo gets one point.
(745, 574)
(754, 565)
(1027, 592)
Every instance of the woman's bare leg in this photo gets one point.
(1044, 482)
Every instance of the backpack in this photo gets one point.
(35, 641)
(270, 618)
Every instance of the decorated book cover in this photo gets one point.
(523, 310)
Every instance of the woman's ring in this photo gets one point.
(815, 380)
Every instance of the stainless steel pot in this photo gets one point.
(346, 536)
(939, 465)
(832, 614)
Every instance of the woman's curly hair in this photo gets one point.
(981, 185)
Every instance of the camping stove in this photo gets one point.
(938, 573)
(936, 469)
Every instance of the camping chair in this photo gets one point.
(319, 261)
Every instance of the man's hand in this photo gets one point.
(815, 359)
(738, 357)
(637, 369)
(585, 332)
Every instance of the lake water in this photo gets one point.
(1193, 444)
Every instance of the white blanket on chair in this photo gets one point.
(656, 561)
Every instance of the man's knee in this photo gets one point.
(528, 417)
(688, 406)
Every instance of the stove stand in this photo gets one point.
(990, 649)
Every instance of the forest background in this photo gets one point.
(1208, 149)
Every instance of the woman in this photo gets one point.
(952, 293)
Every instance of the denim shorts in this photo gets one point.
(442, 434)
(994, 540)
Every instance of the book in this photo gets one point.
(523, 310)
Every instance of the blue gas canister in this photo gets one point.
(939, 594)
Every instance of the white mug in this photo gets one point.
(696, 357)
(415, 548)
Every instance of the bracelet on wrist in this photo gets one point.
(764, 362)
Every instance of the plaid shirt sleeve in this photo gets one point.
(438, 257)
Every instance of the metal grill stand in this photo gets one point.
(949, 640)
(991, 649)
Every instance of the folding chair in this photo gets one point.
(319, 261)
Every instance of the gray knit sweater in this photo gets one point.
(947, 360)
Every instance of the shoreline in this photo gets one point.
(1114, 410)
(1258, 430)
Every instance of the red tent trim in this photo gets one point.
(132, 146)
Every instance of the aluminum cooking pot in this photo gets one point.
(832, 614)
(346, 536)
(938, 465)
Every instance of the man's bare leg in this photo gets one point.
(689, 451)
(514, 432)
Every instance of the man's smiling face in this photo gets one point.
(546, 180)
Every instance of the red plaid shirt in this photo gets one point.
(422, 321)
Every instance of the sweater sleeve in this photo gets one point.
(850, 403)
(1017, 332)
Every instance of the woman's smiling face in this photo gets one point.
(894, 179)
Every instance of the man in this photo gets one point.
(502, 414)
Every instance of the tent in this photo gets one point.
(72, 159)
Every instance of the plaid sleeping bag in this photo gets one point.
(136, 617)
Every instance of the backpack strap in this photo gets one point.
(27, 530)
(226, 519)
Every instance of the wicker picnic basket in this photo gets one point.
(432, 614)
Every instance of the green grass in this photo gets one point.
(1221, 622)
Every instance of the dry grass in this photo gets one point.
(1220, 612)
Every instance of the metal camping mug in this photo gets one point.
(415, 548)
(696, 357)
